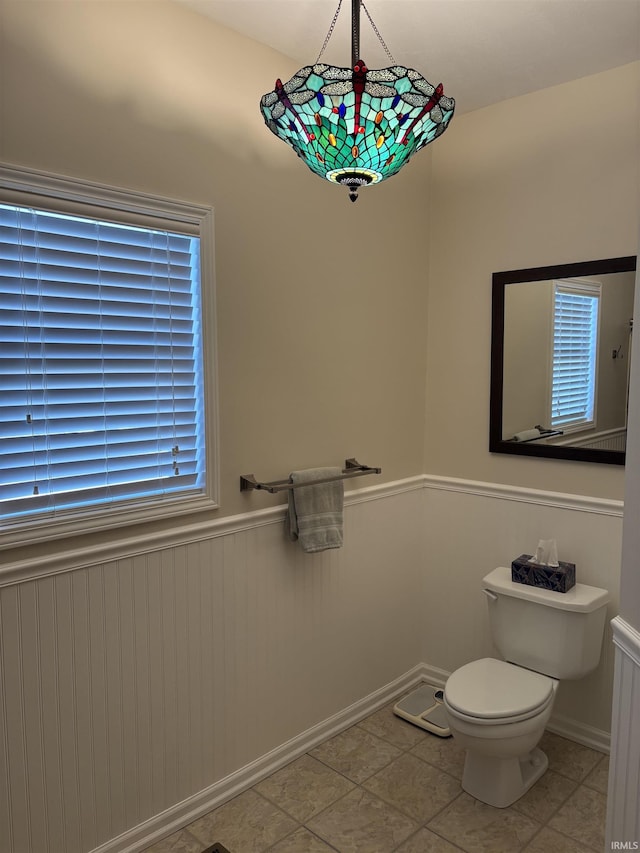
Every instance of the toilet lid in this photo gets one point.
(490, 689)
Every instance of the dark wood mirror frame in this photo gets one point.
(500, 280)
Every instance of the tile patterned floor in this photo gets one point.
(385, 785)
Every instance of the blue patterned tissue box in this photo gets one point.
(556, 578)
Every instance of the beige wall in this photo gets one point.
(321, 302)
(613, 373)
(527, 353)
(548, 178)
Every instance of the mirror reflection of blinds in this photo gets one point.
(99, 363)
(575, 336)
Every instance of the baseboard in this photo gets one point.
(432, 674)
(580, 733)
(161, 825)
(185, 812)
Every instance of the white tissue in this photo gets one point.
(546, 553)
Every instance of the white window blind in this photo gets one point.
(100, 362)
(575, 338)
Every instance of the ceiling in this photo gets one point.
(483, 51)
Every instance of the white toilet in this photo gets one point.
(498, 709)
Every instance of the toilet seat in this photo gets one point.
(491, 692)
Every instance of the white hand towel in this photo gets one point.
(315, 511)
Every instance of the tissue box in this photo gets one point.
(557, 578)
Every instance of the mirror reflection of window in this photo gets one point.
(576, 314)
(559, 336)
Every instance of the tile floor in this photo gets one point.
(385, 785)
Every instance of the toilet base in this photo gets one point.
(500, 782)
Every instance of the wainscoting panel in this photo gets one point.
(128, 686)
(623, 812)
(611, 439)
(142, 688)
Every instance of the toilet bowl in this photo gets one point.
(498, 712)
(498, 709)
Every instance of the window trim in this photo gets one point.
(62, 194)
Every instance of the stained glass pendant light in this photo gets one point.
(356, 126)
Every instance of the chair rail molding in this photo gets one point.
(67, 560)
(502, 491)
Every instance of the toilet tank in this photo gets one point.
(555, 633)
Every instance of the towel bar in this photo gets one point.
(352, 468)
(544, 433)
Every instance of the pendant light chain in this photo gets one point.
(330, 33)
(355, 33)
(377, 32)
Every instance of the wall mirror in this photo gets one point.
(560, 356)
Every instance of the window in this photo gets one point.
(575, 348)
(102, 363)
